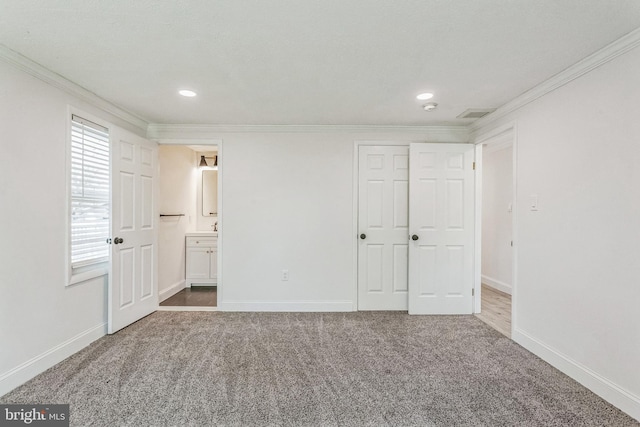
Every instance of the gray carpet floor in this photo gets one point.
(313, 369)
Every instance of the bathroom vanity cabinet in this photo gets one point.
(202, 259)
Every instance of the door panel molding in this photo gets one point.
(133, 277)
(452, 195)
(441, 258)
(383, 176)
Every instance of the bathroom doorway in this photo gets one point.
(195, 296)
(189, 206)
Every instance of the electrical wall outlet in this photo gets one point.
(285, 275)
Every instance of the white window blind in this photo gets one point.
(89, 192)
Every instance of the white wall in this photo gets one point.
(497, 190)
(41, 319)
(577, 289)
(287, 203)
(178, 176)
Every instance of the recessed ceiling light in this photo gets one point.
(188, 93)
(425, 96)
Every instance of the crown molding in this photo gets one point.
(434, 133)
(178, 131)
(591, 62)
(56, 80)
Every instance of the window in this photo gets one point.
(89, 193)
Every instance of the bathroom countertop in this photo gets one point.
(202, 234)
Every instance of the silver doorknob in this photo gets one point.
(414, 237)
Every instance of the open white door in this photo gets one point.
(441, 223)
(383, 221)
(133, 282)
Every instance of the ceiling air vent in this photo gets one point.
(476, 113)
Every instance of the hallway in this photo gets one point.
(496, 310)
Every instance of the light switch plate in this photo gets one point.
(534, 202)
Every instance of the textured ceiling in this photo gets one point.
(307, 61)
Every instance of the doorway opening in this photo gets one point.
(188, 250)
(195, 296)
(497, 263)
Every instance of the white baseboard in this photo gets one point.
(186, 308)
(29, 369)
(601, 386)
(172, 290)
(496, 284)
(290, 306)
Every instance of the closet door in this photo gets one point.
(383, 222)
(441, 223)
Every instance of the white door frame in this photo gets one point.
(497, 136)
(219, 144)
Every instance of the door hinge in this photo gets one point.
(474, 165)
(473, 292)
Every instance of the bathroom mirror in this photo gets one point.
(209, 192)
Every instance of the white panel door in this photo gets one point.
(441, 223)
(383, 222)
(133, 282)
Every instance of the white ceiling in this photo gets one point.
(310, 62)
